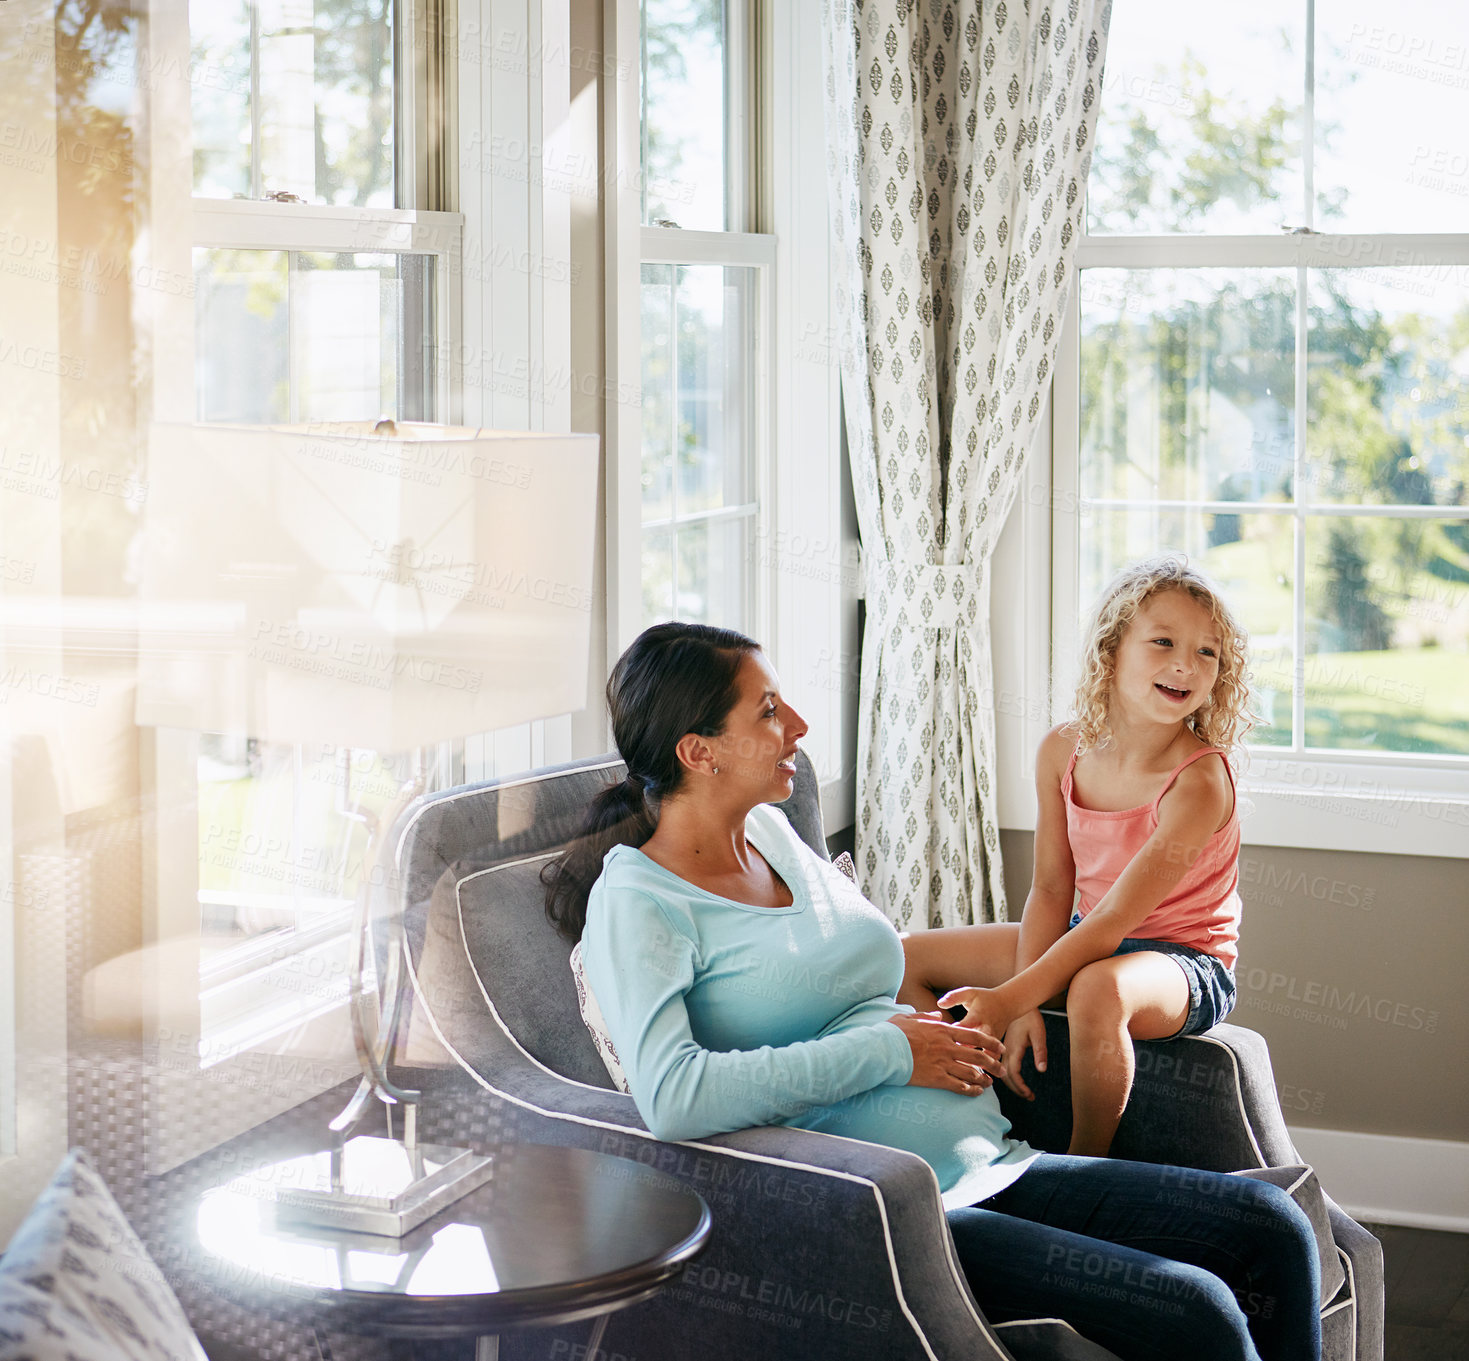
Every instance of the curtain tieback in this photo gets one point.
(925, 595)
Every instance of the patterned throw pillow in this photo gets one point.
(76, 1282)
(591, 1015)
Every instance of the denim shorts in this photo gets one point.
(1211, 989)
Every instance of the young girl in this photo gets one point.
(1134, 907)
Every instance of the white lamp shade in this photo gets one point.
(328, 583)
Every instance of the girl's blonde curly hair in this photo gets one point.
(1224, 718)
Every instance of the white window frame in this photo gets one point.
(502, 282)
(741, 245)
(806, 573)
(755, 251)
(301, 227)
(1392, 803)
(1408, 804)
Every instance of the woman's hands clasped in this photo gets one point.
(985, 1010)
(953, 1058)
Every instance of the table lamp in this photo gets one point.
(370, 584)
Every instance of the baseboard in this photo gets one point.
(1387, 1179)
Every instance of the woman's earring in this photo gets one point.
(716, 770)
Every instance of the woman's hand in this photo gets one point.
(984, 1009)
(953, 1058)
(1027, 1031)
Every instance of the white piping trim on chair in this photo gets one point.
(958, 1271)
(986, 1328)
(1239, 1096)
(480, 983)
(1350, 1300)
(1309, 1172)
(435, 800)
(645, 1134)
(1349, 1294)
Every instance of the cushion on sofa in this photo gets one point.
(591, 1015)
(76, 1282)
(1299, 1181)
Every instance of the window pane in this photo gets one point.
(1200, 122)
(713, 381)
(1388, 386)
(658, 391)
(282, 838)
(321, 127)
(242, 335)
(683, 123)
(1187, 384)
(1252, 559)
(299, 337)
(658, 577)
(1387, 634)
(1390, 108)
(714, 558)
(284, 850)
(219, 47)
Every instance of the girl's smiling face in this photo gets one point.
(1167, 661)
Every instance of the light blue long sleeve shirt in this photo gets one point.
(727, 1015)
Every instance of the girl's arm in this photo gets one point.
(1053, 880)
(1048, 907)
(1188, 815)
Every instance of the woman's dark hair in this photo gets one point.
(674, 679)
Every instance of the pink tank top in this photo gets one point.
(1203, 909)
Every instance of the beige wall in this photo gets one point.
(1353, 968)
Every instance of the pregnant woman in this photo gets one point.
(744, 982)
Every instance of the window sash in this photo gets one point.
(755, 251)
(239, 224)
(1306, 250)
(1330, 798)
(675, 246)
(741, 107)
(1450, 253)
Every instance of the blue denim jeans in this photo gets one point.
(1152, 1262)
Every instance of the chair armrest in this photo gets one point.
(1205, 1101)
(1365, 1280)
(847, 1237)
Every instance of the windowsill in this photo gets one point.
(296, 978)
(1313, 805)
(1387, 810)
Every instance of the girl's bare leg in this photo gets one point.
(1110, 1003)
(956, 957)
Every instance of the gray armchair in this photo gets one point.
(822, 1247)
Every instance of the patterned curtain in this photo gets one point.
(959, 137)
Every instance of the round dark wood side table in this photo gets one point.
(556, 1235)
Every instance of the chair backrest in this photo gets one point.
(468, 868)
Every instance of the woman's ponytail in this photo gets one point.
(618, 816)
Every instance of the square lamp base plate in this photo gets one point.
(379, 1190)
